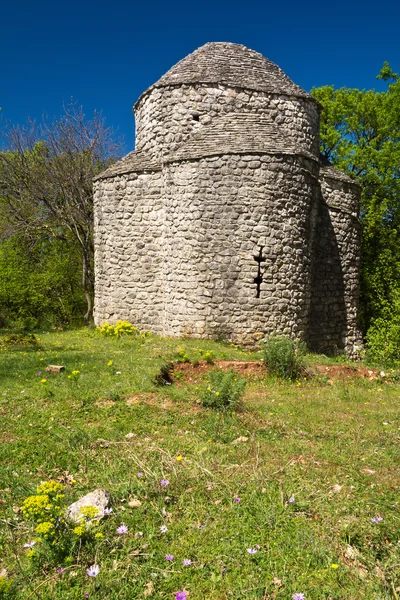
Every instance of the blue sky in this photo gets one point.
(105, 54)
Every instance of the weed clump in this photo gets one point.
(224, 390)
(283, 357)
(19, 341)
(118, 330)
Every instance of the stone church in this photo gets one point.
(224, 222)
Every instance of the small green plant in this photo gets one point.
(182, 356)
(7, 588)
(283, 357)
(208, 356)
(118, 330)
(224, 390)
(55, 536)
(74, 375)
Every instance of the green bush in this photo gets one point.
(383, 337)
(40, 286)
(118, 330)
(283, 357)
(224, 390)
(19, 341)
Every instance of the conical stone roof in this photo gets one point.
(233, 65)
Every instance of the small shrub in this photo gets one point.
(55, 537)
(182, 356)
(282, 357)
(19, 341)
(208, 356)
(224, 390)
(118, 330)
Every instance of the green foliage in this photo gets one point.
(39, 285)
(360, 134)
(118, 330)
(283, 357)
(224, 390)
(182, 356)
(56, 537)
(19, 341)
(7, 588)
(383, 338)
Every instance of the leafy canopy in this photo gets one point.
(360, 134)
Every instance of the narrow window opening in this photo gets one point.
(196, 117)
(259, 279)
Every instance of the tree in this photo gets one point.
(360, 134)
(46, 182)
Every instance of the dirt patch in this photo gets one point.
(152, 398)
(346, 372)
(193, 373)
(104, 403)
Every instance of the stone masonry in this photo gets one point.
(224, 222)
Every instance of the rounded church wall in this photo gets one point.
(128, 219)
(336, 280)
(238, 236)
(167, 116)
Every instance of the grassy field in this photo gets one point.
(305, 475)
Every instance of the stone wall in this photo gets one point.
(335, 280)
(129, 220)
(185, 261)
(166, 117)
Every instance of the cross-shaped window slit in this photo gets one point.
(258, 280)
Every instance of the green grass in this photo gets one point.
(334, 448)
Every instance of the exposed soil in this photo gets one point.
(193, 373)
(346, 372)
(151, 398)
(190, 373)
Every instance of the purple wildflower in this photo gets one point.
(169, 557)
(86, 595)
(237, 499)
(180, 596)
(291, 499)
(60, 570)
(29, 544)
(376, 519)
(39, 372)
(163, 529)
(93, 571)
(251, 550)
(140, 474)
(186, 562)
(164, 482)
(300, 596)
(122, 529)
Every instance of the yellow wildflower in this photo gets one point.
(180, 457)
